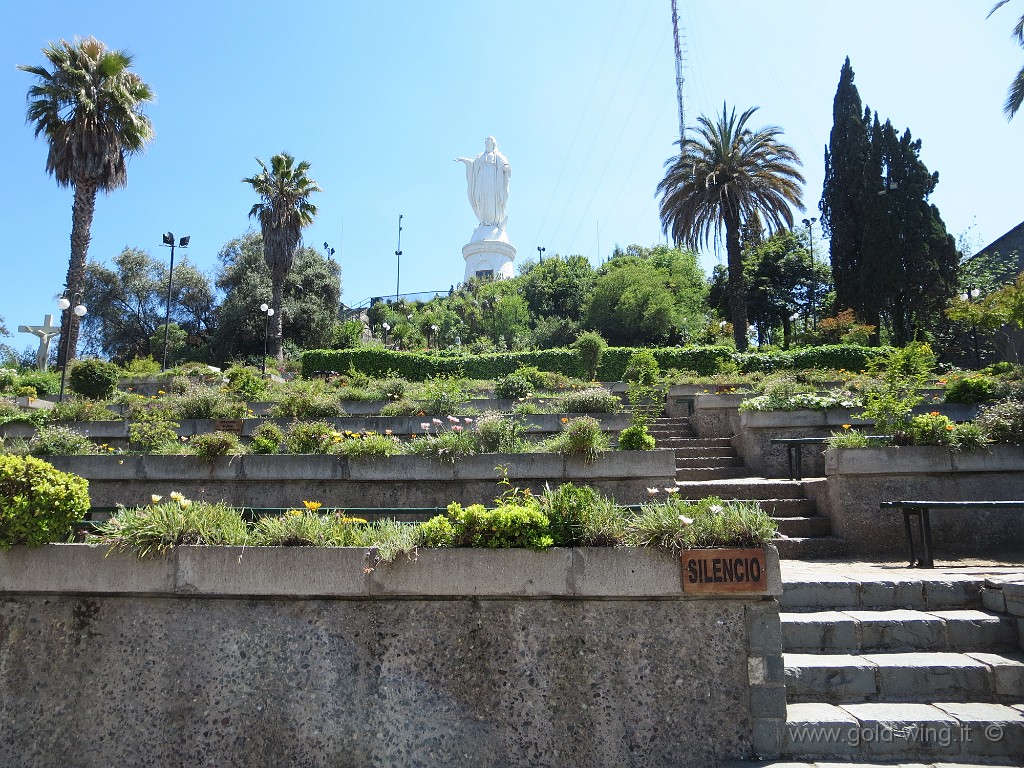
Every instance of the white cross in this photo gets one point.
(45, 332)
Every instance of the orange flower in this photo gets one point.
(949, 427)
(934, 413)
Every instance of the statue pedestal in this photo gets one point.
(489, 254)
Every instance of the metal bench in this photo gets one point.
(794, 452)
(922, 509)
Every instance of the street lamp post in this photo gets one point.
(398, 260)
(540, 252)
(269, 312)
(809, 223)
(433, 333)
(79, 310)
(385, 327)
(973, 293)
(168, 240)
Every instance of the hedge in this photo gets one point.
(704, 361)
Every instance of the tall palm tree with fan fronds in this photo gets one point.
(284, 209)
(88, 106)
(1015, 95)
(726, 176)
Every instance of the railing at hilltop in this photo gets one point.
(348, 312)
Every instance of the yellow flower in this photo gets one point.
(155, 499)
(177, 496)
(293, 513)
(312, 506)
(160, 392)
(846, 426)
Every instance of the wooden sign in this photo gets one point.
(725, 571)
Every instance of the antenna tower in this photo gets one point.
(679, 74)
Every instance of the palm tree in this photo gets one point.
(726, 176)
(283, 211)
(89, 109)
(1015, 96)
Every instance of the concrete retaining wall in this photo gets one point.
(717, 415)
(858, 479)
(224, 656)
(337, 481)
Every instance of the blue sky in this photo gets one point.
(381, 97)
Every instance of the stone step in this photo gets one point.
(814, 526)
(894, 677)
(901, 589)
(945, 762)
(704, 474)
(687, 450)
(814, 548)
(780, 508)
(745, 488)
(937, 732)
(694, 462)
(702, 442)
(870, 631)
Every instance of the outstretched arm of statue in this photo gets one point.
(466, 160)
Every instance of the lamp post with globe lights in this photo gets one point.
(168, 240)
(385, 327)
(972, 294)
(79, 311)
(269, 312)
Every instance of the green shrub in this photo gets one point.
(58, 440)
(210, 445)
(445, 446)
(74, 409)
(589, 346)
(581, 517)
(970, 389)
(497, 433)
(312, 437)
(508, 526)
(1003, 421)
(142, 366)
(581, 436)
(8, 379)
(177, 521)
(199, 401)
(38, 503)
(931, 429)
(391, 389)
(306, 528)
(642, 368)
(307, 400)
(27, 391)
(401, 407)
(593, 400)
(513, 387)
(444, 395)
(370, 444)
(636, 438)
(95, 379)
(246, 383)
(678, 524)
(267, 438)
(153, 432)
(46, 383)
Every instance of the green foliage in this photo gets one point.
(636, 437)
(391, 389)
(153, 432)
(315, 437)
(95, 379)
(307, 400)
(589, 347)
(46, 383)
(75, 409)
(1003, 421)
(8, 379)
(593, 400)
(246, 383)
(142, 366)
(444, 395)
(179, 521)
(306, 528)
(347, 335)
(678, 524)
(58, 440)
(582, 437)
(969, 390)
(401, 407)
(446, 445)
(210, 445)
(916, 359)
(38, 503)
(513, 387)
(642, 368)
(370, 444)
(267, 438)
(497, 433)
(508, 526)
(198, 401)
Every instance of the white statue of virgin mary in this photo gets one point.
(487, 178)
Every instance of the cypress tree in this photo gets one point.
(842, 196)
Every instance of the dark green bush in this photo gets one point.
(636, 438)
(95, 379)
(267, 438)
(970, 389)
(642, 368)
(590, 346)
(312, 437)
(513, 387)
(210, 445)
(246, 383)
(38, 503)
(46, 383)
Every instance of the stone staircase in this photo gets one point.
(906, 669)
(710, 467)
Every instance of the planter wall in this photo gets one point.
(858, 479)
(716, 415)
(336, 481)
(225, 656)
(758, 428)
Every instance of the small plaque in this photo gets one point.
(728, 571)
(228, 425)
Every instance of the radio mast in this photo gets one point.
(679, 74)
